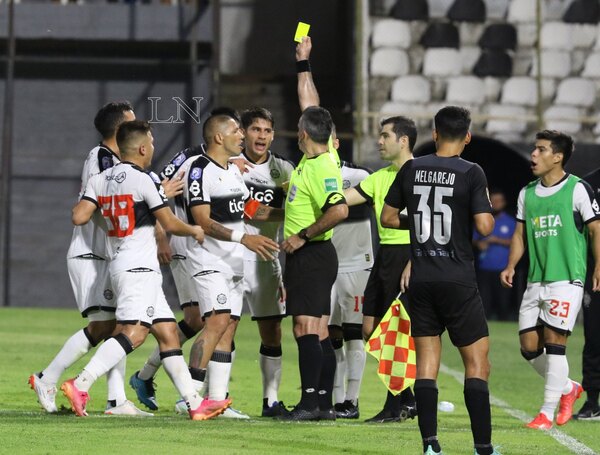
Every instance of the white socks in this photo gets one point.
(178, 371)
(153, 362)
(217, 375)
(105, 358)
(339, 392)
(115, 381)
(270, 368)
(557, 381)
(355, 366)
(74, 348)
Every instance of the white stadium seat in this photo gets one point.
(584, 35)
(442, 61)
(411, 89)
(389, 62)
(557, 35)
(391, 33)
(496, 9)
(523, 91)
(418, 112)
(592, 66)
(439, 8)
(493, 87)
(526, 34)
(554, 64)
(510, 119)
(523, 11)
(465, 90)
(469, 33)
(563, 118)
(576, 91)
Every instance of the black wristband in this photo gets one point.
(302, 234)
(303, 66)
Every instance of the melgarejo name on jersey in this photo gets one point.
(440, 177)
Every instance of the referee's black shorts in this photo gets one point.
(309, 276)
(439, 305)
(383, 285)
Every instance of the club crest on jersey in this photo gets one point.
(222, 299)
(179, 159)
(196, 173)
(293, 191)
(275, 173)
(150, 311)
(106, 162)
(331, 184)
(108, 294)
(346, 184)
(195, 188)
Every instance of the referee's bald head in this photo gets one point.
(316, 122)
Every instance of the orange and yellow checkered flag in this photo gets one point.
(393, 346)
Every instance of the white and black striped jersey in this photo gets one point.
(224, 189)
(89, 240)
(352, 237)
(126, 196)
(265, 183)
(180, 164)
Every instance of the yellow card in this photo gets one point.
(301, 31)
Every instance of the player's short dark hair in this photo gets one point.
(110, 116)
(559, 142)
(402, 126)
(255, 113)
(217, 117)
(128, 132)
(452, 123)
(317, 123)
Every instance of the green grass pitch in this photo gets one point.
(30, 337)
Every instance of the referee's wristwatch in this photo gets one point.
(302, 234)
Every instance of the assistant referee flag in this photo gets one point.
(394, 347)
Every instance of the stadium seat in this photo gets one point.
(584, 35)
(554, 64)
(510, 119)
(576, 91)
(522, 91)
(411, 89)
(493, 87)
(523, 11)
(467, 11)
(438, 9)
(389, 62)
(391, 33)
(592, 66)
(418, 112)
(493, 62)
(583, 12)
(526, 34)
(563, 118)
(442, 62)
(411, 10)
(496, 9)
(465, 90)
(557, 35)
(468, 57)
(440, 34)
(499, 36)
(469, 33)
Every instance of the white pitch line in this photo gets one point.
(564, 439)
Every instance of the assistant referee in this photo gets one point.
(314, 205)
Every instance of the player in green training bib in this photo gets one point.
(555, 214)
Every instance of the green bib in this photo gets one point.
(557, 250)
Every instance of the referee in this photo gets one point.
(314, 205)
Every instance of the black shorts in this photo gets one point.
(383, 285)
(309, 276)
(436, 306)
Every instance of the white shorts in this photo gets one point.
(184, 283)
(92, 288)
(219, 292)
(552, 304)
(262, 284)
(347, 298)
(141, 298)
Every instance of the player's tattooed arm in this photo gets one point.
(218, 231)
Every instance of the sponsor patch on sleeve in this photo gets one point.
(331, 184)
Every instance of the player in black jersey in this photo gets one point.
(445, 197)
(591, 326)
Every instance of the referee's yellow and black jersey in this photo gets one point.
(315, 185)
